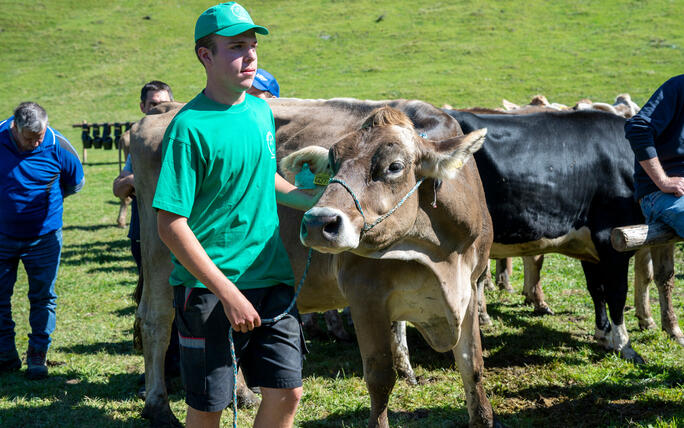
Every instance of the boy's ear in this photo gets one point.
(442, 159)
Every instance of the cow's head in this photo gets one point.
(379, 164)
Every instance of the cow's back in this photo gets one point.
(546, 174)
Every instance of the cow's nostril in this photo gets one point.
(332, 228)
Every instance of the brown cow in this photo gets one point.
(420, 264)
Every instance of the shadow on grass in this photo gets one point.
(113, 348)
(126, 312)
(604, 403)
(98, 252)
(67, 407)
(521, 348)
(424, 417)
(91, 228)
(101, 163)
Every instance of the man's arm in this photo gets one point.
(291, 196)
(123, 185)
(179, 238)
(666, 184)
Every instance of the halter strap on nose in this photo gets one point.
(368, 226)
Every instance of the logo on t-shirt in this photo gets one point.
(270, 143)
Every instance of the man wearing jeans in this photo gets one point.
(656, 134)
(38, 169)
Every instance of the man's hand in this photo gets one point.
(674, 185)
(240, 312)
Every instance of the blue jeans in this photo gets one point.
(40, 257)
(665, 208)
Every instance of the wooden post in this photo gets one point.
(631, 238)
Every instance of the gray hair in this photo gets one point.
(31, 116)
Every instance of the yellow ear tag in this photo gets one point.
(458, 164)
(321, 179)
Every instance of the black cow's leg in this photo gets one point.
(468, 356)
(373, 332)
(532, 289)
(595, 287)
(609, 279)
(663, 273)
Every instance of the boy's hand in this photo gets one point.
(241, 314)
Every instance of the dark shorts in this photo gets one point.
(270, 356)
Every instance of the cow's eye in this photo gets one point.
(395, 167)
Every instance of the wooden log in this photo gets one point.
(631, 238)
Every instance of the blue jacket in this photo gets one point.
(658, 131)
(33, 184)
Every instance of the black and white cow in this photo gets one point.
(559, 182)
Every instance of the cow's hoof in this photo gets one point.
(629, 354)
(409, 377)
(485, 320)
(161, 417)
(542, 310)
(647, 324)
(121, 225)
(678, 340)
(506, 287)
(246, 398)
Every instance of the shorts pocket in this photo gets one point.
(193, 364)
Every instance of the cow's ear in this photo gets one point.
(442, 159)
(315, 156)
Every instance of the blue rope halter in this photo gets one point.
(368, 226)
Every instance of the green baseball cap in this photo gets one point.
(225, 19)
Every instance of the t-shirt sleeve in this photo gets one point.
(178, 178)
(71, 177)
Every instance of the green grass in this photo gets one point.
(86, 60)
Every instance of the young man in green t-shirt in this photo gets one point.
(216, 197)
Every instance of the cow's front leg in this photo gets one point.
(663, 274)
(468, 356)
(643, 275)
(532, 284)
(373, 332)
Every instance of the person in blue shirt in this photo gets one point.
(656, 135)
(38, 169)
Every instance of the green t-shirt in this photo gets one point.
(218, 170)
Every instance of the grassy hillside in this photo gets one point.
(86, 60)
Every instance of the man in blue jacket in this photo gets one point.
(38, 169)
(656, 134)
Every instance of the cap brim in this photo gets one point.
(236, 29)
(260, 86)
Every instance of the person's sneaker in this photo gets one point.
(9, 361)
(36, 362)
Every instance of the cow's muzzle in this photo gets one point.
(328, 230)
